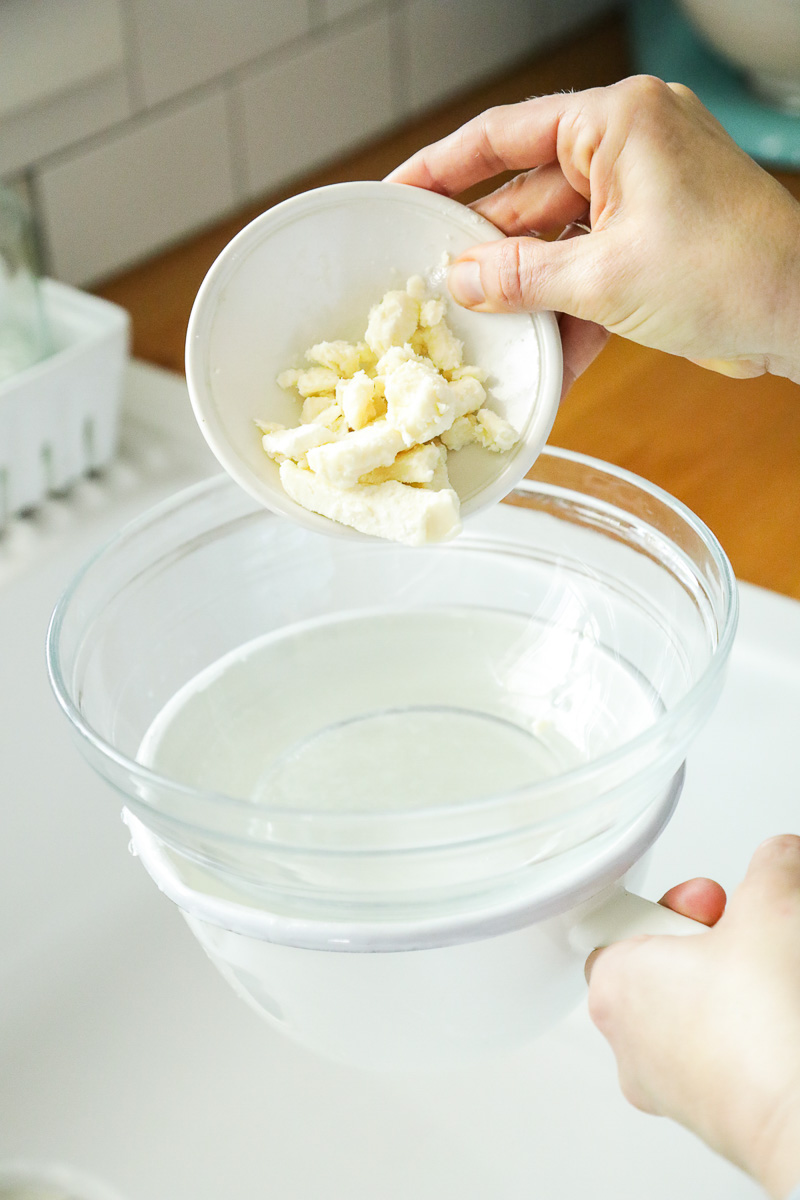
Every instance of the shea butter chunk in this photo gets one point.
(494, 432)
(295, 443)
(392, 510)
(378, 418)
(344, 358)
(393, 322)
(417, 465)
(357, 399)
(463, 432)
(343, 462)
(419, 401)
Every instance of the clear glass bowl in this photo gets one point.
(415, 729)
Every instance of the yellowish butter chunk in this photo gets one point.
(316, 380)
(295, 443)
(417, 465)
(392, 322)
(469, 395)
(419, 401)
(431, 312)
(494, 432)
(392, 510)
(417, 288)
(463, 432)
(357, 399)
(344, 358)
(317, 408)
(343, 462)
(378, 417)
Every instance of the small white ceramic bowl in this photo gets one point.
(309, 270)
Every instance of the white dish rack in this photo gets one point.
(59, 418)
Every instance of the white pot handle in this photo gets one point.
(617, 914)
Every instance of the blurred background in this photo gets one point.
(131, 123)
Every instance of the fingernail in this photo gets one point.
(464, 281)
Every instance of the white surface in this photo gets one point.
(180, 45)
(137, 189)
(123, 1053)
(314, 103)
(310, 270)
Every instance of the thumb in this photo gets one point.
(524, 274)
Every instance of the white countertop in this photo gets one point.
(123, 1053)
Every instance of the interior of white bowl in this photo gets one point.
(309, 270)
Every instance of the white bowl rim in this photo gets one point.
(591, 875)
(514, 466)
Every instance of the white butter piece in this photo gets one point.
(289, 378)
(417, 465)
(440, 345)
(463, 432)
(315, 406)
(393, 510)
(378, 418)
(419, 403)
(418, 288)
(431, 312)
(342, 463)
(345, 358)
(394, 357)
(356, 397)
(441, 478)
(295, 443)
(494, 432)
(468, 371)
(392, 322)
(468, 395)
(315, 381)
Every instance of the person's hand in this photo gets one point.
(706, 1029)
(692, 248)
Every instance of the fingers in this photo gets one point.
(701, 899)
(540, 200)
(510, 137)
(526, 275)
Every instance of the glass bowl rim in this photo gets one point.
(153, 780)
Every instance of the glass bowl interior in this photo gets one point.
(330, 722)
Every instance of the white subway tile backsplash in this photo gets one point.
(316, 103)
(31, 134)
(178, 45)
(453, 44)
(47, 49)
(135, 191)
(141, 120)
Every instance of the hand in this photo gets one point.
(693, 248)
(706, 1029)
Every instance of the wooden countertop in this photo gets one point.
(729, 449)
